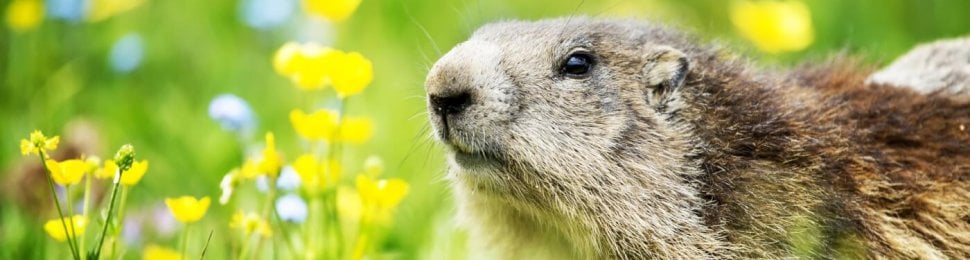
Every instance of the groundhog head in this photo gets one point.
(570, 123)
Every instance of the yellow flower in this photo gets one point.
(104, 9)
(38, 142)
(24, 15)
(380, 196)
(285, 59)
(188, 209)
(308, 65)
(271, 161)
(774, 26)
(156, 252)
(351, 74)
(133, 175)
(250, 223)
(315, 177)
(356, 130)
(268, 164)
(318, 125)
(108, 170)
(333, 10)
(55, 227)
(68, 172)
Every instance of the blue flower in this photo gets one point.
(265, 14)
(233, 114)
(288, 180)
(70, 10)
(126, 54)
(292, 208)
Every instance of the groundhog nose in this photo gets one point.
(450, 104)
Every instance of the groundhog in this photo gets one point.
(581, 138)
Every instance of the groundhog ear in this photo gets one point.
(664, 69)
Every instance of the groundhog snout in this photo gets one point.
(452, 104)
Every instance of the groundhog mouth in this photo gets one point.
(477, 159)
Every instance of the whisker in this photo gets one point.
(423, 30)
(610, 7)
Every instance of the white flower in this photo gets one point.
(292, 208)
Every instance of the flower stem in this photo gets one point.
(111, 208)
(85, 209)
(332, 221)
(245, 246)
(121, 220)
(270, 202)
(57, 203)
(285, 233)
(70, 214)
(185, 238)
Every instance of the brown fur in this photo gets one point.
(731, 162)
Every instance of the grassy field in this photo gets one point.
(103, 73)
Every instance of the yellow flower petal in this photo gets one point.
(24, 15)
(133, 175)
(51, 144)
(55, 227)
(333, 10)
(156, 252)
(310, 67)
(108, 171)
(319, 125)
(38, 141)
(380, 197)
(284, 60)
(25, 147)
(316, 176)
(188, 209)
(356, 130)
(774, 26)
(271, 162)
(250, 223)
(351, 74)
(384, 194)
(68, 172)
(309, 170)
(250, 169)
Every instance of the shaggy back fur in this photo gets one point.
(671, 148)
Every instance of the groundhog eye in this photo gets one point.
(577, 64)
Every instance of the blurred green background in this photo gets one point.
(59, 78)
